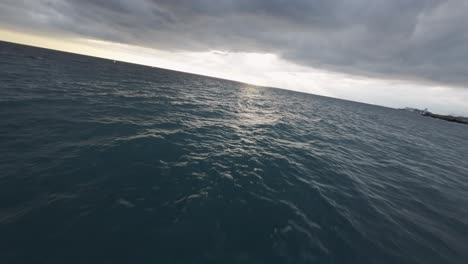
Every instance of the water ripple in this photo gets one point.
(112, 162)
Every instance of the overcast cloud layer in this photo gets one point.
(425, 40)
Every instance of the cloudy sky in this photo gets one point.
(388, 52)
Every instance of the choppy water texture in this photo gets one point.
(106, 162)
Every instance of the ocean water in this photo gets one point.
(104, 162)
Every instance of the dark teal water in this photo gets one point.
(104, 162)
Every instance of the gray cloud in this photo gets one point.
(407, 39)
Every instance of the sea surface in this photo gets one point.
(104, 162)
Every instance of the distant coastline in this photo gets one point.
(455, 119)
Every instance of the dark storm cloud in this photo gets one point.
(412, 39)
